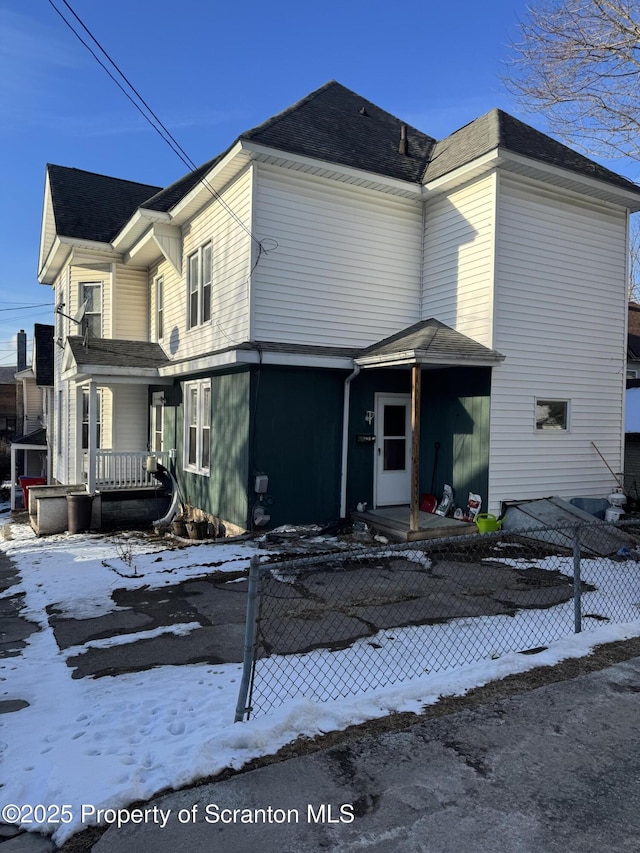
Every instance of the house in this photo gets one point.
(340, 309)
(29, 450)
(7, 402)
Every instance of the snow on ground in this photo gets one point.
(110, 741)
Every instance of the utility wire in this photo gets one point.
(28, 307)
(148, 114)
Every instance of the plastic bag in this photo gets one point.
(446, 504)
(473, 507)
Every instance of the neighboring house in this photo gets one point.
(29, 449)
(272, 313)
(7, 402)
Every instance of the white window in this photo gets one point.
(199, 286)
(552, 415)
(91, 296)
(159, 308)
(157, 411)
(85, 418)
(197, 426)
(59, 422)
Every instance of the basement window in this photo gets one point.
(552, 415)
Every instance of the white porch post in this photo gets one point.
(93, 437)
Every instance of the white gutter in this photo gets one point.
(345, 439)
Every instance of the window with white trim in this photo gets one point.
(85, 418)
(159, 308)
(197, 426)
(552, 415)
(157, 410)
(91, 297)
(199, 277)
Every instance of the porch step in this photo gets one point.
(394, 522)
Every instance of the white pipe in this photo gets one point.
(174, 505)
(345, 439)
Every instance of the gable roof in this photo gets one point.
(90, 206)
(428, 341)
(497, 129)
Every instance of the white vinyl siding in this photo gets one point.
(346, 270)
(560, 321)
(130, 417)
(130, 305)
(458, 259)
(32, 402)
(230, 273)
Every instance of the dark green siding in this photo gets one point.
(454, 412)
(224, 492)
(297, 441)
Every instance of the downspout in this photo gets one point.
(345, 439)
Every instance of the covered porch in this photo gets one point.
(118, 439)
(418, 417)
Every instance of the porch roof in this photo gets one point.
(37, 438)
(112, 356)
(428, 342)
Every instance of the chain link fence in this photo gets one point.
(358, 619)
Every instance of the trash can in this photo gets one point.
(79, 512)
(25, 482)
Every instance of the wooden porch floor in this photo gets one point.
(394, 522)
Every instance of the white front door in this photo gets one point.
(393, 449)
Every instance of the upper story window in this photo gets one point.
(91, 296)
(199, 286)
(159, 308)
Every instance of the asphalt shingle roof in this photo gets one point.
(93, 207)
(8, 375)
(117, 353)
(339, 126)
(433, 339)
(331, 124)
(499, 129)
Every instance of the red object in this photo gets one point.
(25, 482)
(428, 503)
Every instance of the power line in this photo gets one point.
(148, 114)
(28, 307)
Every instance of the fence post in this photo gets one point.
(251, 626)
(577, 584)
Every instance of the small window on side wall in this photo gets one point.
(552, 415)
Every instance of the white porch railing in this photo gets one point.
(125, 469)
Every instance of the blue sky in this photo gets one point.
(211, 70)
